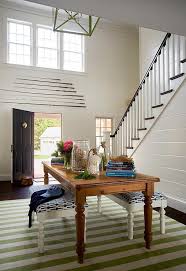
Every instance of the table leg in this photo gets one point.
(80, 225)
(45, 175)
(148, 215)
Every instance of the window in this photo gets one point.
(47, 48)
(102, 125)
(40, 46)
(73, 52)
(19, 42)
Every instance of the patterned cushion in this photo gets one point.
(64, 202)
(56, 204)
(138, 197)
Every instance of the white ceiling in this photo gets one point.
(164, 15)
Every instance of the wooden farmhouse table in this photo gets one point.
(102, 185)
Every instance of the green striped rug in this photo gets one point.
(107, 246)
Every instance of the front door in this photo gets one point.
(23, 144)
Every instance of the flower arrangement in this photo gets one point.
(64, 149)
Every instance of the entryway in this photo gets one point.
(47, 132)
(34, 140)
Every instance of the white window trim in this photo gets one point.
(7, 40)
(58, 47)
(83, 54)
(112, 122)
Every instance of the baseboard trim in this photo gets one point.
(5, 178)
(176, 204)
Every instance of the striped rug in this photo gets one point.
(107, 246)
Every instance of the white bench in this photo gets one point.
(134, 201)
(63, 206)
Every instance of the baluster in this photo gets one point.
(154, 84)
(146, 97)
(130, 126)
(134, 118)
(158, 98)
(143, 105)
(119, 141)
(137, 117)
(127, 129)
(172, 56)
(150, 93)
(177, 54)
(125, 135)
(166, 64)
(122, 139)
(162, 73)
(182, 51)
(112, 146)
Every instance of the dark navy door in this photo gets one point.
(23, 144)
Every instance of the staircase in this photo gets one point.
(160, 83)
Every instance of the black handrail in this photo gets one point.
(143, 80)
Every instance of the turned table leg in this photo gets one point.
(80, 225)
(45, 175)
(148, 215)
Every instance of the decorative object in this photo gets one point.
(64, 149)
(93, 161)
(86, 175)
(80, 155)
(103, 155)
(74, 22)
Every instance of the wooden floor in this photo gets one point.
(9, 191)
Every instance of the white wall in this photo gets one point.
(110, 79)
(163, 151)
(149, 42)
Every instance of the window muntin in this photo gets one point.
(19, 42)
(102, 125)
(73, 52)
(47, 48)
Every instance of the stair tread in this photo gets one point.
(130, 148)
(158, 105)
(141, 129)
(149, 118)
(135, 138)
(177, 76)
(166, 92)
(183, 60)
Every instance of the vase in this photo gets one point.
(67, 160)
(79, 155)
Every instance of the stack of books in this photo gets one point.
(57, 161)
(121, 166)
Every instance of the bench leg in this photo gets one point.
(130, 223)
(99, 203)
(162, 220)
(41, 237)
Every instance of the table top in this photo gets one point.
(101, 179)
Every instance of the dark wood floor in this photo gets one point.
(10, 191)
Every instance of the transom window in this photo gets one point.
(19, 42)
(47, 48)
(102, 125)
(73, 52)
(39, 45)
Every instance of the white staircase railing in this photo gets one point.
(166, 66)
